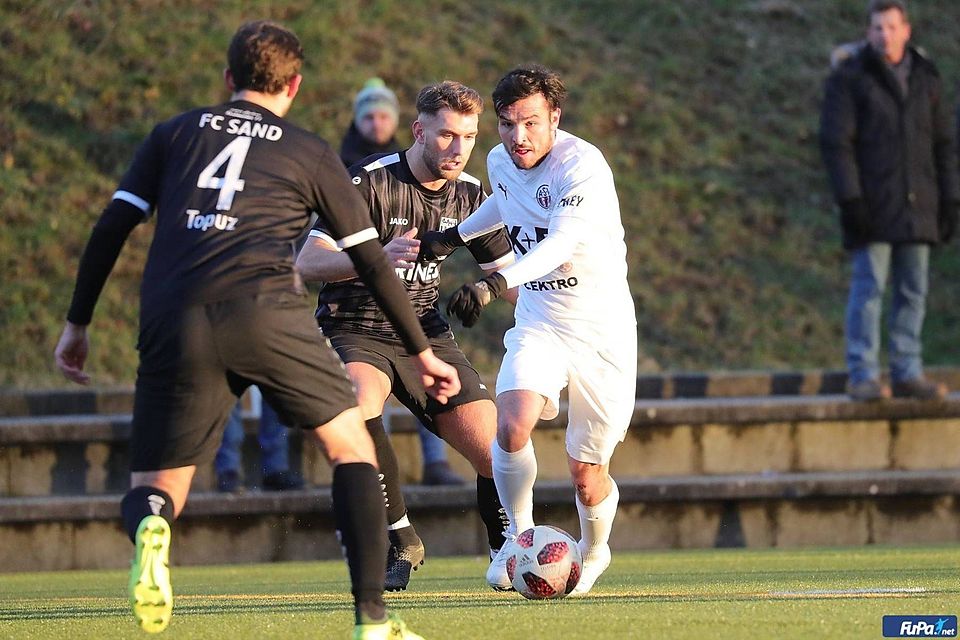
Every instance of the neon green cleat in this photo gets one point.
(151, 595)
(393, 629)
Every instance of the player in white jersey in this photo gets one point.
(575, 320)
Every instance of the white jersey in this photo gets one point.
(584, 291)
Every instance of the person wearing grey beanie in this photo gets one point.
(374, 126)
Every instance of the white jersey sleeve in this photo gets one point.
(485, 219)
(557, 248)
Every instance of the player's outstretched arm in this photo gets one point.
(469, 300)
(439, 244)
(71, 352)
(439, 379)
(321, 261)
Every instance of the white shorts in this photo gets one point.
(602, 382)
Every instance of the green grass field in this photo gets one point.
(834, 593)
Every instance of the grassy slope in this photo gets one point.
(677, 594)
(707, 112)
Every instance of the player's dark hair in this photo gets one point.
(527, 81)
(449, 95)
(880, 6)
(264, 56)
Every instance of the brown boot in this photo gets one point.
(921, 389)
(868, 391)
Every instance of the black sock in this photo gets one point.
(141, 502)
(361, 521)
(491, 511)
(389, 470)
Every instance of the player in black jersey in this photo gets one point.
(420, 189)
(233, 186)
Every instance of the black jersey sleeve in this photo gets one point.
(360, 179)
(347, 222)
(323, 225)
(343, 213)
(109, 234)
(140, 185)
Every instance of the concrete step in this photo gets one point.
(755, 510)
(73, 455)
(714, 384)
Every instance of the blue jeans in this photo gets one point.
(907, 266)
(271, 436)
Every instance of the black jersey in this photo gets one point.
(397, 203)
(233, 187)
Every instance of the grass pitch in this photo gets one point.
(834, 593)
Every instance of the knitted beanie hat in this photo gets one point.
(375, 96)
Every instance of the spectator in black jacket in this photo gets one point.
(373, 130)
(886, 139)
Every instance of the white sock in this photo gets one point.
(596, 522)
(514, 475)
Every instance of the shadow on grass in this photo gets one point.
(328, 603)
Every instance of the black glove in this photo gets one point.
(469, 300)
(855, 219)
(949, 216)
(435, 245)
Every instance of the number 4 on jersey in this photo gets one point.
(233, 155)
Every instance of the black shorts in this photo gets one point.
(390, 357)
(196, 361)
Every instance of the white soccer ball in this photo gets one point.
(544, 563)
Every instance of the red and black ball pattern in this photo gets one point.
(544, 563)
(538, 587)
(552, 552)
(574, 577)
(525, 539)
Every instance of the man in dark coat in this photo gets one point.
(887, 143)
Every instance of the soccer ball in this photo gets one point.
(545, 563)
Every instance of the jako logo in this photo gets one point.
(919, 626)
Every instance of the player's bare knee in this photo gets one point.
(513, 437)
(591, 493)
(591, 481)
(345, 439)
(370, 402)
(513, 433)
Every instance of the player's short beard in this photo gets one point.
(432, 162)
